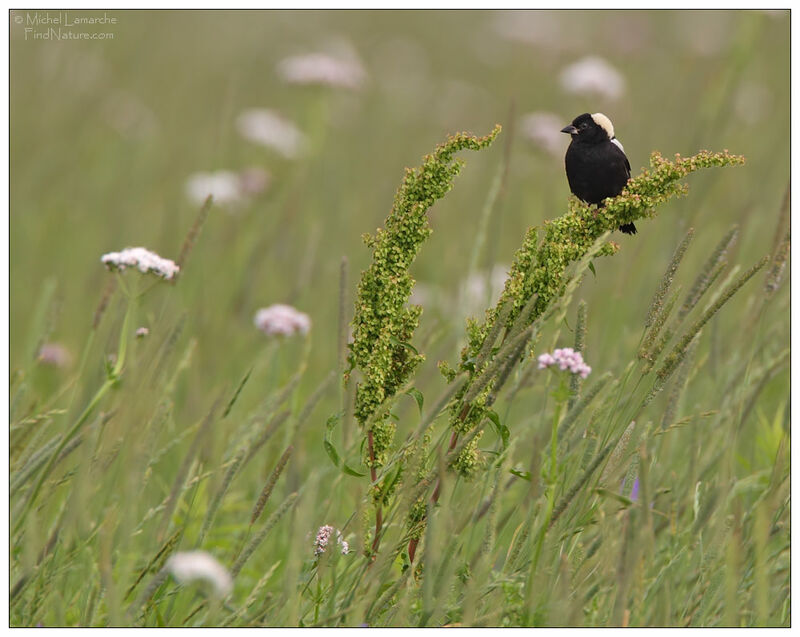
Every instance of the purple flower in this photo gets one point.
(635, 490)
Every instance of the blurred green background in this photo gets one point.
(106, 133)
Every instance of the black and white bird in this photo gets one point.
(597, 167)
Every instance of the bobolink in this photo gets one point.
(596, 164)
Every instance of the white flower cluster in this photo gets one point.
(565, 358)
(222, 185)
(593, 76)
(544, 130)
(321, 68)
(142, 259)
(271, 129)
(189, 566)
(481, 289)
(281, 320)
(323, 537)
(228, 188)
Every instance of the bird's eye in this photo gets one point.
(583, 126)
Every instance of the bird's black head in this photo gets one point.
(590, 129)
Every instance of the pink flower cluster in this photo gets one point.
(323, 537)
(565, 358)
(55, 354)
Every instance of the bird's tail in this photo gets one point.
(628, 228)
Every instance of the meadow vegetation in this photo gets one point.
(323, 407)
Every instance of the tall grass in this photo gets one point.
(653, 493)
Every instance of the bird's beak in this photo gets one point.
(570, 130)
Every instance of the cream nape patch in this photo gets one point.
(603, 121)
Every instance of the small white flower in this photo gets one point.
(142, 259)
(593, 76)
(544, 130)
(190, 566)
(282, 320)
(228, 189)
(271, 129)
(224, 186)
(482, 289)
(324, 69)
(142, 332)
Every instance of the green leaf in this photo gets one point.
(332, 420)
(351, 472)
(501, 429)
(399, 343)
(591, 267)
(562, 393)
(330, 449)
(416, 394)
(390, 483)
(525, 475)
(237, 392)
(613, 496)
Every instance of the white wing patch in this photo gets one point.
(604, 122)
(615, 141)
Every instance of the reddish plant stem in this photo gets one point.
(378, 512)
(412, 548)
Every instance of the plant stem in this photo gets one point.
(551, 494)
(378, 512)
(110, 381)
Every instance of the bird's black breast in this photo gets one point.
(596, 171)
